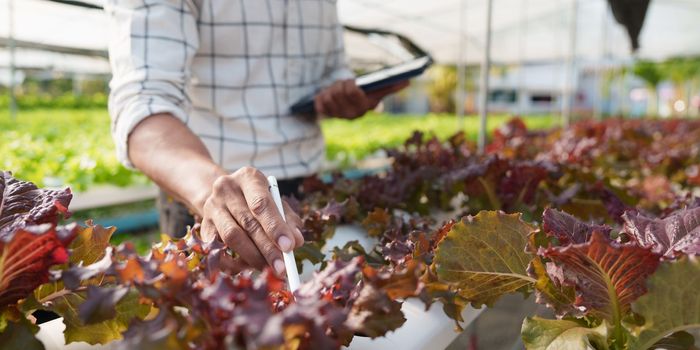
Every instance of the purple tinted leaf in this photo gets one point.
(607, 276)
(398, 282)
(520, 182)
(252, 307)
(568, 229)
(335, 282)
(100, 303)
(377, 222)
(309, 322)
(677, 233)
(159, 333)
(74, 276)
(28, 255)
(333, 211)
(550, 289)
(565, 196)
(373, 313)
(353, 249)
(397, 251)
(613, 204)
(23, 204)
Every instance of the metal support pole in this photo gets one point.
(521, 57)
(568, 91)
(598, 101)
(460, 96)
(621, 96)
(11, 23)
(484, 81)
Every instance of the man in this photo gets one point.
(200, 101)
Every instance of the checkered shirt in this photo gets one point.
(229, 70)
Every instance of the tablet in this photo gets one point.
(374, 81)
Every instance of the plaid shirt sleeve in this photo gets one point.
(151, 48)
(339, 70)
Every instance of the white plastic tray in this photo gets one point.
(423, 330)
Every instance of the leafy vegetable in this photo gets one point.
(671, 304)
(22, 204)
(607, 276)
(677, 233)
(549, 288)
(543, 334)
(185, 294)
(27, 252)
(25, 260)
(93, 309)
(568, 229)
(16, 332)
(40, 146)
(482, 257)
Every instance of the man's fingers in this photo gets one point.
(207, 231)
(344, 104)
(242, 212)
(269, 250)
(236, 238)
(318, 105)
(295, 221)
(322, 105)
(330, 103)
(346, 100)
(255, 234)
(351, 102)
(262, 206)
(377, 95)
(355, 99)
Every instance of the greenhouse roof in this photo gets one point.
(522, 30)
(531, 30)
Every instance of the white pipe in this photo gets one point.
(484, 81)
(568, 91)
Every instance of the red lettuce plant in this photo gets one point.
(30, 241)
(30, 244)
(184, 293)
(611, 287)
(608, 293)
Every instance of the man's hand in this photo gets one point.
(238, 207)
(345, 100)
(241, 211)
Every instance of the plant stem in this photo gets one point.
(618, 334)
(57, 294)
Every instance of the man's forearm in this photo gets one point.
(164, 149)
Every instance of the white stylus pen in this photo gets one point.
(289, 262)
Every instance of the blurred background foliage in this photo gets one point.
(61, 134)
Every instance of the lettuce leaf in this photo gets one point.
(671, 305)
(26, 257)
(567, 228)
(542, 334)
(677, 233)
(23, 204)
(607, 276)
(483, 257)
